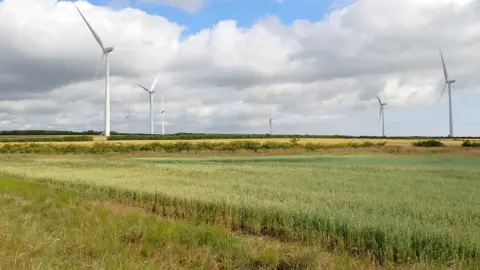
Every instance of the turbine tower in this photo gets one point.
(128, 117)
(163, 118)
(270, 119)
(105, 54)
(150, 93)
(449, 83)
(381, 116)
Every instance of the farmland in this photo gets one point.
(401, 211)
(328, 141)
(223, 138)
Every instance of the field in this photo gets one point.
(223, 138)
(365, 210)
(329, 141)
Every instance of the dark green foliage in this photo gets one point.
(49, 139)
(469, 143)
(178, 147)
(48, 132)
(428, 143)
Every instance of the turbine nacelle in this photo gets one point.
(108, 49)
(451, 81)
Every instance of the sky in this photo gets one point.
(223, 65)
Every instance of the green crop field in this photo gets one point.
(404, 209)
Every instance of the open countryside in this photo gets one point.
(199, 134)
(360, 208)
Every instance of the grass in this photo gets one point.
(401, 209)
(43, 227)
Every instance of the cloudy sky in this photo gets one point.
(223, 64)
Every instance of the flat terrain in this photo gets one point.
(390, 142)
(394, 208)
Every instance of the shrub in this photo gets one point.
(381, 143)
(294, 140)
(428, 143)
(469, 143)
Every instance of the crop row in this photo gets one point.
(185, 146)
(328, 231)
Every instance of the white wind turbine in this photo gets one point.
(129, 118)
(381, 116)
(270, 119)
(105, 53)
(449, 83)
(163, 118)
(150, 93)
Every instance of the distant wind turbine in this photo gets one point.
(270, 119)
(163, 118)
(150, 93)
(105, 53)
(381, 116)
(128, 117)
(449, 83)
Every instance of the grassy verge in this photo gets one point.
(403, 210)
(45, 228)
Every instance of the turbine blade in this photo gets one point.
(143, 87)
(154, 83)
(443, 91)
(379, 101)
(91, 29)
(444, 67)
(98, 67)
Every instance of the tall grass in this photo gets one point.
(395, 209)
(41, 227)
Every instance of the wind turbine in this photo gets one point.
(270, 119)
(105, 54)
(381, 116)
(150, 93)
(163, 118)
(449, 83)
(128, 117)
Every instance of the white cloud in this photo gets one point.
(227, 78)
